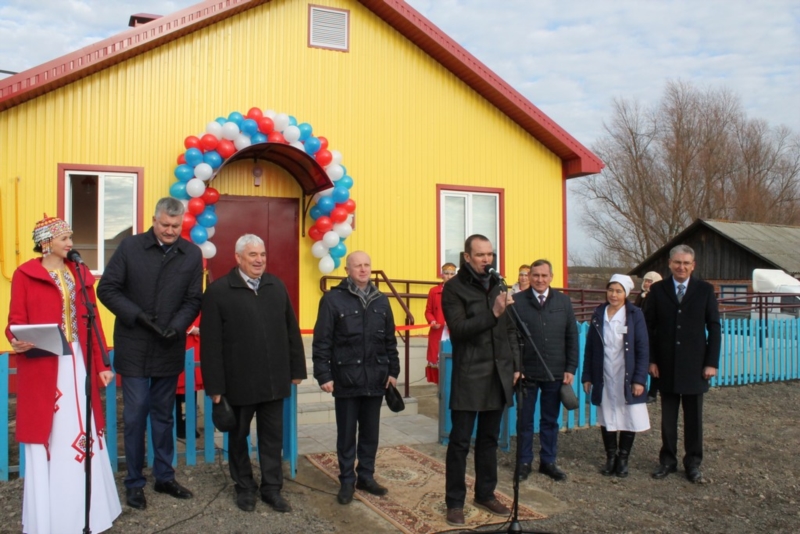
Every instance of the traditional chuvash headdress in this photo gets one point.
(48, 229)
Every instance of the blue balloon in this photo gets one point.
(178, 190)
(312, 145)
(340, 194)
(198, 234)
(211, 207)
(292, 121)
(305, 131)
(207, 219)
(325, 205)
(336, 262)
(345, 181)
(236, 117)
(315, 212)
(221, 120)
(249, 127)
(184, 172)
(258, 137)
(194, 157)
(338, 251)
(213, 158)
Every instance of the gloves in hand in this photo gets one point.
(144, 321)
(170, 334)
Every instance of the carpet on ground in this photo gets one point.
(416, 482)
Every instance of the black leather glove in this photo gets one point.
(170, 334)
(144, 321)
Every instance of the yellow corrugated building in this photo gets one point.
(437, 145)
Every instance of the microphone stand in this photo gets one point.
(91, 328)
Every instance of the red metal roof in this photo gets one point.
(577, 159)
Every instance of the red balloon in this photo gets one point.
(324, 224)
(191, 142)
(188, 222)
(349, 205)
(323, 143)
(254, 114)
(210, 196)
(196, 206)
(323, 157)
(338, 214)
(276, 137)
(209, 142)
(186, 234)
(226, 149)
(265, 125)
(314, 233)
(181, 159)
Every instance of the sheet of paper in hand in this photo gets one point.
(48, 339)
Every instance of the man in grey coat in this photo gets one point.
(252, 353)
(485, 368)
(153, 284)
(549, 316)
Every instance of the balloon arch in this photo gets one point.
(333, 208)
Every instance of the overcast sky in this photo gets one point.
(570, 58)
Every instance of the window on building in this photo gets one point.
(328, 28)
(102, 208)
(463, 213)
(731, 291)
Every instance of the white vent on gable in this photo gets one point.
(329, 28)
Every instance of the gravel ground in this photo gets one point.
(751, 468)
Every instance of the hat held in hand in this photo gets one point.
(394, 400)
(222, 415)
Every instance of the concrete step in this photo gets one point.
(324, 412)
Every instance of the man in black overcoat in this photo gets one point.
(681, 309)
(252, 352)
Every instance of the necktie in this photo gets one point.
(166, 248)
(541, 301)
(681, 292)
(253, 284)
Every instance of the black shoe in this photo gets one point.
(525, 471)
(663, 471)
(370, 486)
(553, 472)
(278, 503)
(246, 501)
(346, 492)
(694, 475)
(611, 465)
(622, 466)
(174, 489)
(135, 498)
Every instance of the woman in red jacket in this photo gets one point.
(51, 394)
(435, 317)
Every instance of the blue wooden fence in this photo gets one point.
(204, 451)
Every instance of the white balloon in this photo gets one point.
(215, 129)
(230, 130)
(211, 231)
(331, 239)
(319, 250)
(242, 141)
(343, 230)
(337, 157)
(203, 171)
(208, 249)
(326, 264)
(195, 187)
(185, 203)
(335, 172)
(270, 113)
(291, 134)
(281, 122)
(325, 193)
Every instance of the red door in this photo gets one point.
(275, 220)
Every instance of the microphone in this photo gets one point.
(75, 257)
(491, 271)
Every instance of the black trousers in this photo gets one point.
(269, 429)
(692, 429)
(485, 456)
(358, 421)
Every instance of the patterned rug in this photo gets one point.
(415, 503)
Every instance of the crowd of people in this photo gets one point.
(252, 352)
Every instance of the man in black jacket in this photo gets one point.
(485, 368)
(252, 352)
(549, 316)
(153, 284)
(679, 312)
(355, 358)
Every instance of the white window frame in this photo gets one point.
(101, 176)
(469, 222)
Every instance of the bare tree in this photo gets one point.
(694, 155)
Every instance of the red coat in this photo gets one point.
(433, 312)
(35, 299)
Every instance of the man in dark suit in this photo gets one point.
(680, 310)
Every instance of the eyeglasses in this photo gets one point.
(523, 273)
(449, 272)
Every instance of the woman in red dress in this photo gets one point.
(435, 317)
